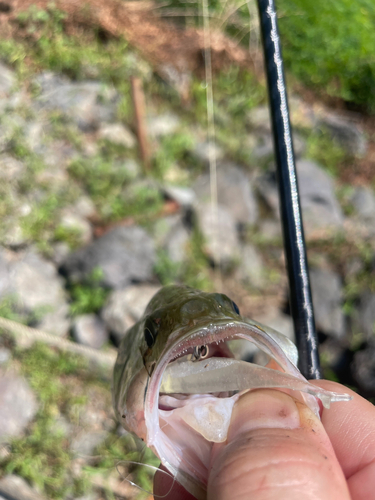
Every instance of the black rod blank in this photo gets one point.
(291, 217)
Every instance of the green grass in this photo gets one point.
(329, 46)
(325, 151)
(88, 297)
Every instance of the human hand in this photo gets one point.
(278, 449)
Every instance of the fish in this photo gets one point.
(176, 379)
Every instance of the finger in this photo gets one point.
(351, 429)
(166, 487)
(276, 449)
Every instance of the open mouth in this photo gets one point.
(194, 387)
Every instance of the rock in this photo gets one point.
(162, 125)
(7, 79)
(89, 330)
(259, 118)
(363, 369)
(38, 289)
(327, 300)
(319, 204)
(35, 133)
(366, 316)
(172, 233)
(184, 196)
(250, 269)
(13, 487)
(125, 307)
(60, 252)
(346, 132)
(84, 207)
(11, 170)
(219, 232)
(5, 278)
(320, 209)
(87, 103)
(124, 254)
(176, 242)
(234, 192)
(263, 148)
(118, 134)
(18, 406)
(204, 150)
(363, 200)
(279, 321)
(86, 442)
(5, 355)
(72, 222)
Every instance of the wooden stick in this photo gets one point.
(140, 119)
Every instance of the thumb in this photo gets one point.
(276, 449)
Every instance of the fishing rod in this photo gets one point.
(290, 208)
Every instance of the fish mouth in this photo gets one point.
(183, 422)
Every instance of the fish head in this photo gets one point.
(184, 325)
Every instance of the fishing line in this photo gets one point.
(152, 467)
(211, 137)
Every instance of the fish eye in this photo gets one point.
(235, 307)
(150, 332)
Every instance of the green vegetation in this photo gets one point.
(88, 297)
(329, 46)
(325, 151)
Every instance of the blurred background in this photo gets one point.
(105, 196)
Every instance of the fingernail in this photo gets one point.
(263, 409)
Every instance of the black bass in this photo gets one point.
(176, 380)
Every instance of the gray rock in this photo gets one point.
(219, 232)
(5, 355)
(87, 103)
(125, 307)
(162, 125)
(11, 169)
(319, 204)
(60, 252)
(363, 370)
(86, 443)
(346, 132)
(71, 221)
(320, 208)
(184, 196)
(234, 192)
(279, 321)
(89, 330)
(251, 269)
(177, 242)
(18, 406)
(327, 296)
(204, 150)
(118, 134)
(7, 79)
(299, 145)
(363, 200)
(263, 148)
(85, 207)
(38, 289)
(259, 118)
(366, 315)
(13, 487)
(124, 254)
